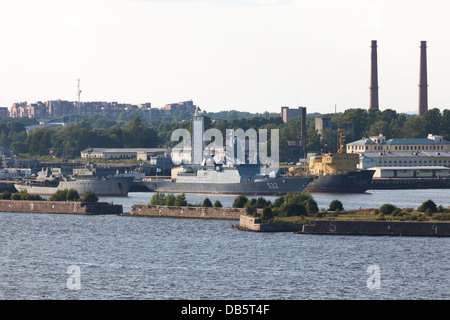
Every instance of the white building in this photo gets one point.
(376, 151)
(379, 143)
(411, 172)
(122, 153)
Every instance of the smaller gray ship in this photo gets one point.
(88, 178)
(227, 179)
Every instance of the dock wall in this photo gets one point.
(409, 183)
(69, 207)
(378, 228)
(254, 224)
(186, 212)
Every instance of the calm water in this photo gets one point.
(161, 258)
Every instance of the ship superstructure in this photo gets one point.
(82, 179)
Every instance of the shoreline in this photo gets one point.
(350, 227)
(60, 207)
(350, 222)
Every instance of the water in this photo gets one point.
(161, 258)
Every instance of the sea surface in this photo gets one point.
(51, 256)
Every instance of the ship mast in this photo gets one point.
(341, 141)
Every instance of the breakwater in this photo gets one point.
(186, 212)
(378, 228)
(67, 207)
(410, 183)
(349, 227)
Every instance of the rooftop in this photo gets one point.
(124, 150)
(412, 168)
(362, 142)
(407, 154)
(416, 141)
(400, 141)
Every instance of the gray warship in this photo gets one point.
(88, 178)
(245, 179)
(211, 173)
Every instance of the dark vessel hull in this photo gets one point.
(350, 182)
(272, 186)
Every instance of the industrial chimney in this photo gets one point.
(423, 82)
(374, 77)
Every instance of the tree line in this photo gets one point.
(101, 132)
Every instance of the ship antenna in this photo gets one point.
(79, 93)
(78, 108)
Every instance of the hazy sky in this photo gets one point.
(250, 55)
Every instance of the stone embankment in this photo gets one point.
(186, 212)
(378, 228)
(347, 227)
(68, 207)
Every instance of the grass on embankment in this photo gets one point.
(406, 214)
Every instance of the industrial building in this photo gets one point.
(376, 151)
(416, 172)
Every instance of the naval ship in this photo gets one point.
(245, 179)
(337, 172)
(83, 179)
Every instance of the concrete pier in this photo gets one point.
(62, 207)
(186, 212)
(378, 228)
(348, 227)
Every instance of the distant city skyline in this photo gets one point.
(251, 55)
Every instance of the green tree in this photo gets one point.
(250, 208)
(428, 205)
(6, 195)
(158, 199)
(180, 200)
(138, 135)
(294, 204)
(72, 195)
(170, 200)
(387, 209)
(262, 202)
(217, 204)
(15, 196)
(311, 206)
(336, 205)
(278, 202)
(414, 127)
(266, 214)
(240, 201)
(59, 195)
(207, 203)
(89, 196)
(65, 195)
(289, 209)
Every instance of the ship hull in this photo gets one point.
(112, 187)
(350, 182)
(272, 186)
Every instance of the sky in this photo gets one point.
(249, 55)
